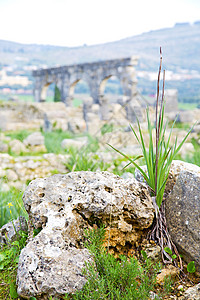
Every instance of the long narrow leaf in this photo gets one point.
(183, 141)
(132, 161)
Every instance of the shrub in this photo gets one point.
(112, 278)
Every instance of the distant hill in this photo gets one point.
(180, 45)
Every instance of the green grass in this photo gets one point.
(77, 102)
(26, 98)
(11, 206)
(19, 134)
(195, 159)
(178, 125)
(83, 160)
(53, 140)
(187, 106)
(9, 256)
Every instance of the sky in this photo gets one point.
(75, 23)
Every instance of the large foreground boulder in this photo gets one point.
(63, 206)
(183, 215)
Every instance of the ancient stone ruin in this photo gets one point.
(94, 74)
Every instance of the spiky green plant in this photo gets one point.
(159, 154)
(158, 158)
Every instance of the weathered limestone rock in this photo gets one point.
(76, 125)
(11, 175)
(193, 293)
(186, 116)
(177, 166)
(3, 147)
(152, 250)
(47, 266)
(197, 128)
(10, 231)
(183, 207)
(20, 170)
(17, 147)
(77, 143)
(63, 206)
(183, 215)
(34, 139)
(169, 271)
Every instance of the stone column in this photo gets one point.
(37, 90)
(104, 108)
(64, 89)
(134, 111)
(87, 108)
(129, 82)
(94, 90)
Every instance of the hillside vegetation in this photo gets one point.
(180, 44)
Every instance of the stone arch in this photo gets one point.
(103, 87)
(73, 86)
(44, 89)
(95, 74)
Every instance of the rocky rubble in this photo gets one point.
(18, 171)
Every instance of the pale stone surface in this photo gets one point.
(20, 170)
(48, 266)
(153, 252)
(183, 215)
(10, 231)
(76, 125)
(186, 116)
(178, 166)
(197, 128)
(3, 147)
(17, 147)
(170, 270)
(63, 206)
(76, 143)
(34, 139)
(11, 175)
(193, 293)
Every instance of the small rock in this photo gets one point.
(3, 147)
(153, 252)
(34, 139)
(11, 175)
(193, 293)
(169, 271)
(10, 231)
(153, 296)
(17, 147)
(76, 143)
